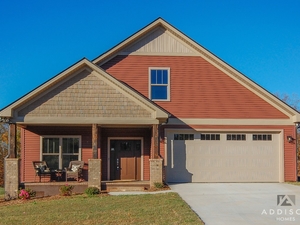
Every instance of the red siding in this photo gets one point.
(198, 89)
(290, 171)
(31, 146)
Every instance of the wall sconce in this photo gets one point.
(290, 139)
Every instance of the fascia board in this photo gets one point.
(84, 120)
(8, 111)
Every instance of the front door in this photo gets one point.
(125, 159)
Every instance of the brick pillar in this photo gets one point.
(11, 179)
(156, 171)
(94, 173)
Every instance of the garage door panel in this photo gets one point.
(223, 161)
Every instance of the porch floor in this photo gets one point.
(52, 188)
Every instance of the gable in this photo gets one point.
(145, 44)
(84, 94)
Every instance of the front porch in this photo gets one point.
(52, 188)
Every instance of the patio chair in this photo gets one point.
(41, 169)
(74, 170)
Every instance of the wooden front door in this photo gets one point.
(125, 159)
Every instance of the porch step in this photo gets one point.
(113, 186)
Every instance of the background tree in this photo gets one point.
(3, 149)
(4, 127)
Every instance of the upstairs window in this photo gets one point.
(159, 80)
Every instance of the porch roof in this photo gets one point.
(84, 94)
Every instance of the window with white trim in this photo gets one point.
(159, 84)
(59, 151)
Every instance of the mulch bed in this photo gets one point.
(4, 202)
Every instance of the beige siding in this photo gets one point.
(159, 41)
(84, 95)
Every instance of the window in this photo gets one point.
(262, 137)
(210, 137)
(183, 137)
(159, 80)
(236, 137)
(59, 151)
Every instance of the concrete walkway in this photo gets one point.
(138, 192)
(242, 203)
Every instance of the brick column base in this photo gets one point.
(11, 179)
(155, 171)
(94, 179)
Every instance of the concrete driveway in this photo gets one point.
(242, 203)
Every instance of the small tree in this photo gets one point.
(3, 149)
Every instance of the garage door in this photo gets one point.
(223, 157)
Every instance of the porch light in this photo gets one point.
(290, 139)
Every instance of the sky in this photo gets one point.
(40, 39)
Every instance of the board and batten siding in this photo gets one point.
(198, 89)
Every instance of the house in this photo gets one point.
(158, 95)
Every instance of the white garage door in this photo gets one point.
(223, 157)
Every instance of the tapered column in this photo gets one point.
(95, 141)
(12, 140)
(155, 141)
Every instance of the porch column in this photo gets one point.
(11, 178)
(155, 141)
(95, 141)
(12, 141)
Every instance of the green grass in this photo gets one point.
(294, 183)
(1, 192)
(103, 209)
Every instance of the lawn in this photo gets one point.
(1, 192)
(294, 183)
(166, 208)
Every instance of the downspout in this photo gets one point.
(297, 125)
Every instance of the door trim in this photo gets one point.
(125, 138)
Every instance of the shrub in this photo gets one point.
(90, 191)
(158, 185)
(26, 193)
(66, 190)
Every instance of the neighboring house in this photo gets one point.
(158, 94)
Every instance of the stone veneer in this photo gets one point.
(94, 179)
(155, 171)
(11, 180)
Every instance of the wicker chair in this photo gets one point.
(41, 169)
(74, 170)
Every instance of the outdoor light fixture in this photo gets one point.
(290, 139)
